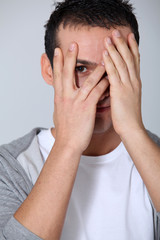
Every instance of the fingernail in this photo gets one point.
(109, 41)
(55, 52)
(132, 36)
(72, 47)
(117, 33)
(102, 63)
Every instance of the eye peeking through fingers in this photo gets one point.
(81, 73)
(80, 69)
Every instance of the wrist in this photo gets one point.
(134, 139)
(128, 133)
(67, 148)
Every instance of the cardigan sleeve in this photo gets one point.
(14, 188)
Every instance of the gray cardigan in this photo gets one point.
(15, 186)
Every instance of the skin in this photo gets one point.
(90, 44)
(80, 128)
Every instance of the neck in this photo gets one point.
(103, 143)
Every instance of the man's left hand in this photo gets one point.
(122, 63)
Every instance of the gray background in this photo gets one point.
(26, 101)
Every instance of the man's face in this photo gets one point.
(91, 46)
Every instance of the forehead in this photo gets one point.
(90, 40)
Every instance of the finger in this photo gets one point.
(57, 71)
(98, 91)
(91, 82)
(118, 61)
(69, 69)
(125, 53)
(135, 51)
(113, 75)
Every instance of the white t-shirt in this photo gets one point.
(109, 200)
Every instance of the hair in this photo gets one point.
(93, 13)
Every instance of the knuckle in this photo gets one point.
(101, 86)
(88, 83)
(56, 75)
(97, 93)
(57, 99)
(121, 41)
(70, 54)
(98, 89)
(129, 58)
(112, 72)
(65, 72)
(122, 65)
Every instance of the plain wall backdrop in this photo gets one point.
(26, 101)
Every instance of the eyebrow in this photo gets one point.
(86, 62)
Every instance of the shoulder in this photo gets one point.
(19, 145)
(11, 171)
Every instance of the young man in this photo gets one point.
(96, 174)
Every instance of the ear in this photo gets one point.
(46, 69)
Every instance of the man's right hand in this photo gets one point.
(75, 108)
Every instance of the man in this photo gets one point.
(96, 174)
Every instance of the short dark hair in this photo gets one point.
(94, 13)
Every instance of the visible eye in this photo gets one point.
(81, 69)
